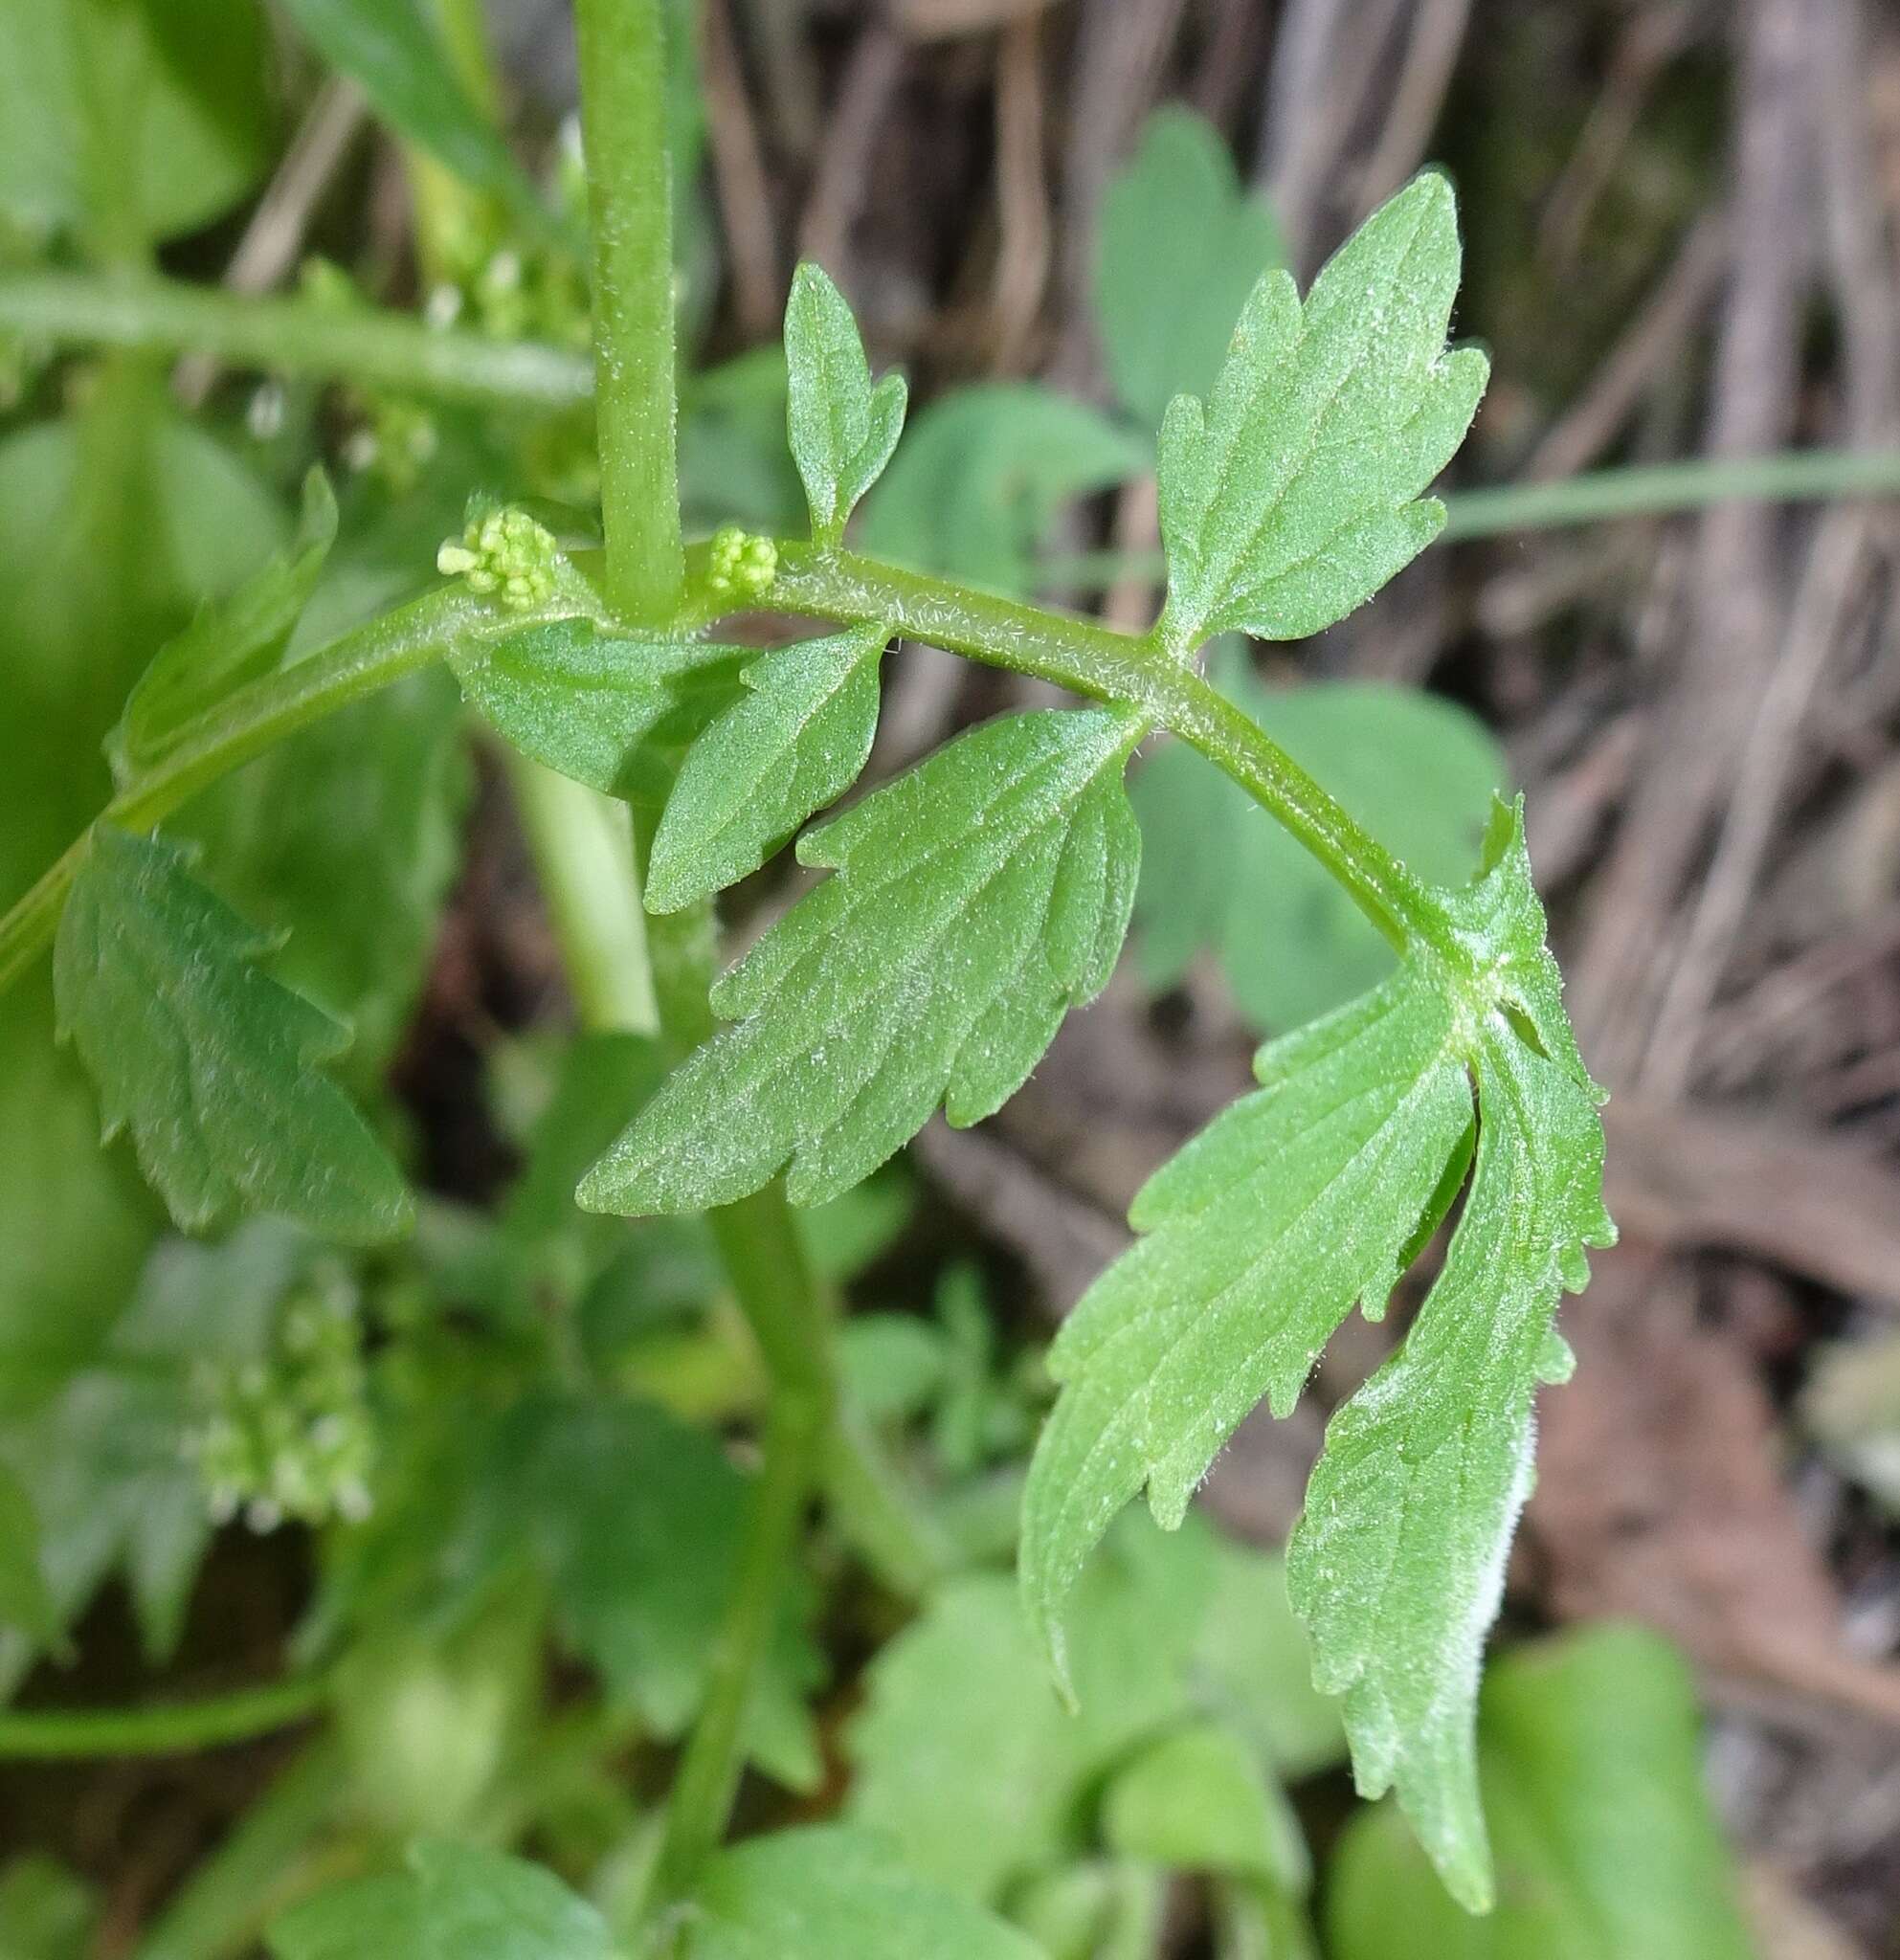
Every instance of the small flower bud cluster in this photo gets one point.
(741, 565)
(290, 1435)
(505, 552)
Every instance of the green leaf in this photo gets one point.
(965, 1759)
(1257, 1666)
(1288, 498)
(791, 745)
(1397, 1563)
(985, 473)
(828, 1891)
(978, 898)
(1182, 246)
(636, 1521)
(211, 1062)
(454, 1902)
(104, 1462)
(347, 837)
(842, 430)
(612, 713)
(185, 89)
(388, 49)
(26, 1604)
(1418, 772)
(1318, 1189)
(119, 520)
(1199, 1800)
(1591, 1764)
(1259, 1236)
(733, 462)
(46, 1912)
(233, 641)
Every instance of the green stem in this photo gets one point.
(622, 74)
(163, 1728)
(270, 1858)
(1796, 477)
(584, 856)
(623, 111)
(1127, 669)
(377, 348)
(251, 721)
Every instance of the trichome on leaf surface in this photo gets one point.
(963, 909)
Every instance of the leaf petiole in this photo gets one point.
(1127, 669)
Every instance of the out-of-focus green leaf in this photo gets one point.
(212, 1065)
(105, 1463)
(1416, 770)
(1199, 1800)
(346, 839)
(1255, 1666)
(964, 1755)
(180, 88)
(26, 1605)
(733, 465)
(828, 1891)
(46, 1912)
(119, 520)
(231, 642)
(1182, 246)
(454, 1902)
(983, 473)
(388, 49)
(636, 1522)
(1605, 1840)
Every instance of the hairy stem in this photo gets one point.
(163, 1729)
(623, 72)
(1124, 668)
(623, 113)
(376, 347)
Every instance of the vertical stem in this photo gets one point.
(584, 856)
(623, 91)
(622, 74)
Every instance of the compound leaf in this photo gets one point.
(235, 641)
(1296, 1201)
(454, 1902)
(841, 428)
(977, 898)
(1294, 492)
(611, 713)
(1319, 1188)
(1397, 1563)
(791, 745)
(827, 1890)
(211, 1062)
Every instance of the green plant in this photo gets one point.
(969, 904)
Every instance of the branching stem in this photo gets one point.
(1124, 668)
